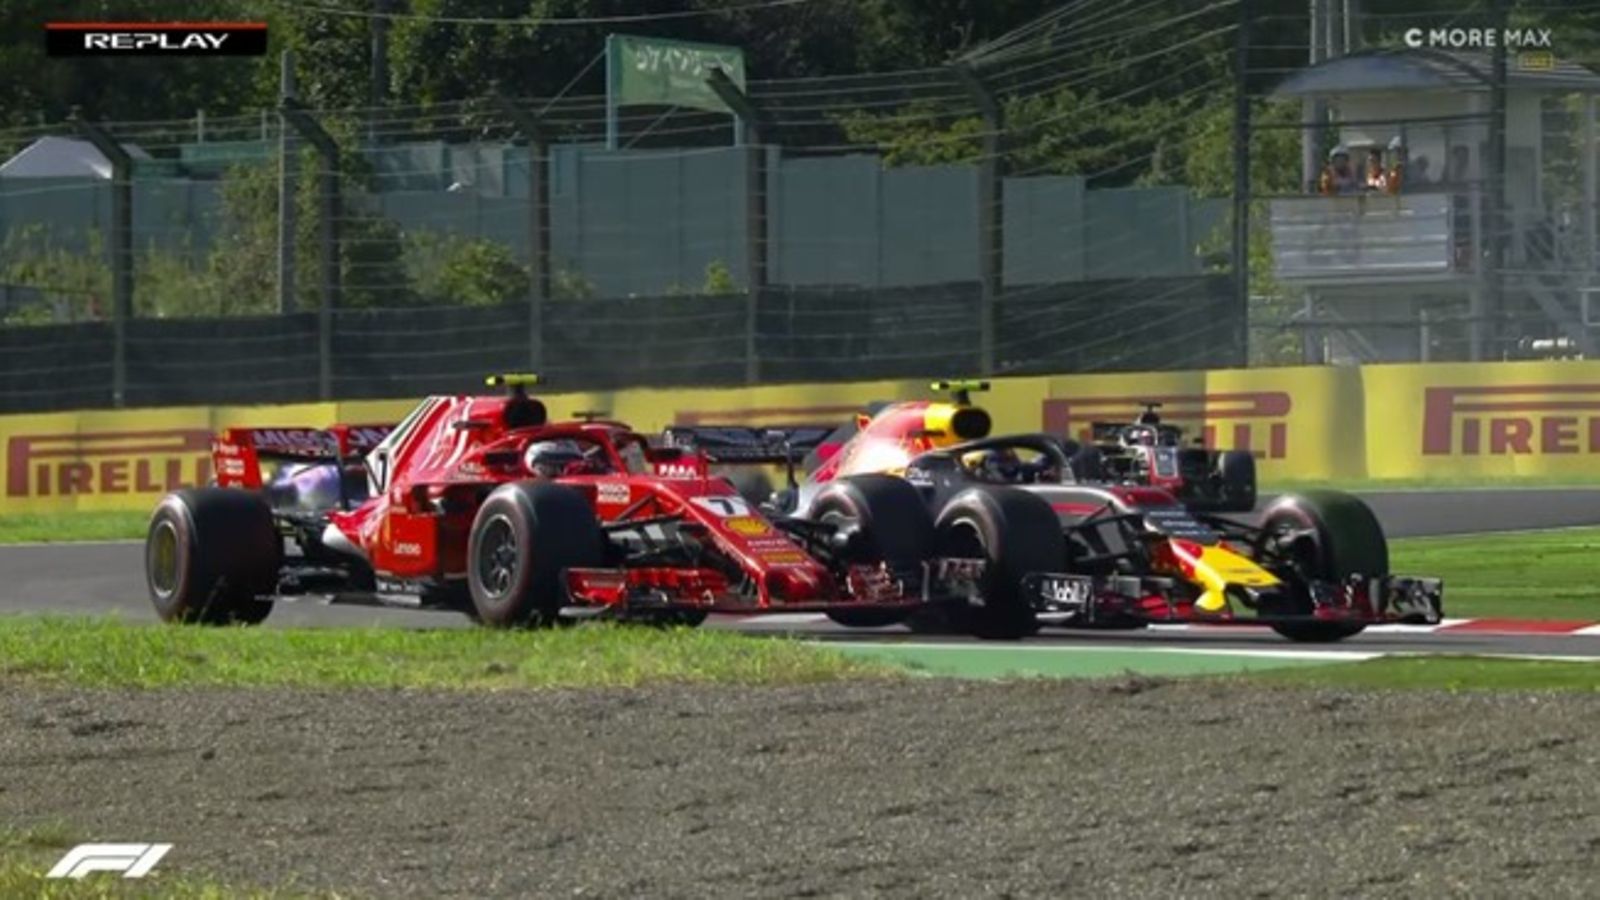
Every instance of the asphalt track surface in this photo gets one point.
(107, 578)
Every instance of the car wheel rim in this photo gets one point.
(161, 559)
(497, 557)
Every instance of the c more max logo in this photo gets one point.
(107, 462)
(1507, 420)
(155, 38)
(1248, 420)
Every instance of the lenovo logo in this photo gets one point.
(156, 38)
(1511, 420)
(109, 462)
(1248, 420)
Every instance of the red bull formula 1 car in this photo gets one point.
(479, 504)
(1108, 551)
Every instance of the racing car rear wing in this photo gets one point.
(739, 445)
(785, 445)
(236, 453)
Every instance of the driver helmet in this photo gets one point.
(550, 459)
(996, 464)
(1140, 435)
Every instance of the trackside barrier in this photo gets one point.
(1443, 421)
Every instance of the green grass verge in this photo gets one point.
(1528, 575)
(26, 854)
(107, 525)
(107, 652)
(1450, 673)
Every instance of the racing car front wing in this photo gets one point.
(869, 586)
(1368, 600)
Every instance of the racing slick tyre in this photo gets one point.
(1088, 464)
(752, 484)
(524, 535)
(1236, 474)
(209, 553)
(892, 524)
(1325, 535)
(1016, 533)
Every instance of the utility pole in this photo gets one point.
(302, 121)
(288, 164)
(1497, 223)
(531, 132)
(121, 248)
(1241, 181)
(379, 92)
(1314, 112)
(991, 213)
(755, 192)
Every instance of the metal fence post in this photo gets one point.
(531, 132)
(755, 192)
(288, 180)
(991, 213)
(1241, 180)
(328, 215)
(121, 247)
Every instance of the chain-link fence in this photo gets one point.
(992, 216)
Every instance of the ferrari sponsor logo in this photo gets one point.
(1509, 420)
(108, 462)
(783, 558)
(612, 492)
(677, 470)
(749, 526)
(1246, 420)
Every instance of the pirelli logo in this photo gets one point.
(1509, 420)
(107, 462)
(1247, 420)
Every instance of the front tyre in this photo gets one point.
(1016, 533)
(891, 524)
(524, 536)
(209, 554)
(1322, 536)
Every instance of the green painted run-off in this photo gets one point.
(1014, 661)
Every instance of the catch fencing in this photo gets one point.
(787, 335)
(931, 222)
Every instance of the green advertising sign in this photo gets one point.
(668, 73)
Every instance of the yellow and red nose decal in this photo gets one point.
(1215, 567)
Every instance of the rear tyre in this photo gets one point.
(1016, 533)
(1322, 535)
(1088, 464)
(1236, 472)
(524, 535)
(892, 525)
(209, 553)
(752, 484)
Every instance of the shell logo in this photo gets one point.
(749, 526)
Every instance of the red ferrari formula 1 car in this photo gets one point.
(1108, 553)
(480, 505)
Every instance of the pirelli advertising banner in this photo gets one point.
(1445, 421)
(1496, 420)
